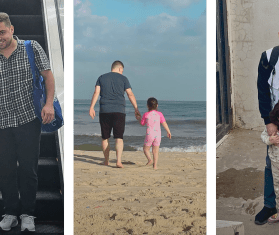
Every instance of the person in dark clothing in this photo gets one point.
(268, 95)
(20, 129)
(111, 87)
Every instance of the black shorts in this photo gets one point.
(115, 121)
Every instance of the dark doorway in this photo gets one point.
(223, 79)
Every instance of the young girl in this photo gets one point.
(273, 152)
(152, 119)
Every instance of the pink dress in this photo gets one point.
(152, 119)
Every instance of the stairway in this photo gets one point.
(27, 18)
(49, 211)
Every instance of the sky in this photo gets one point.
(161, 43)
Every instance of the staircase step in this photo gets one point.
(20, 7)
(48, 145)
(224, 227)
(49, 206)
(42, 227)
(48, 174)
(39, 38)
(28, 24)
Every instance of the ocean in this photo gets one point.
(186, 120)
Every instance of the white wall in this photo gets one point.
(55, 57)
(61, 13)
(253, 27)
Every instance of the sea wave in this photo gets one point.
(89, 135)
(135, 137)
(191, 149)
(176, 122)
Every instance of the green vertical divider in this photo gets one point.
(210, 117)
(69, 117)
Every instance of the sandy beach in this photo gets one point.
(138, 199)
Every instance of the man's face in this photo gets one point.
(6, 36)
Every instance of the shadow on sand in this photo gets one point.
(98, 160)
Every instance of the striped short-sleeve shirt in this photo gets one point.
(16, 89)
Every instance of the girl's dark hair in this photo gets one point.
(274, 115)
(152, 104)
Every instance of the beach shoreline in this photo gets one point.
(138, 199)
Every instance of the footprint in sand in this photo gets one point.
(187, 228)
(152, 221)
(250, 210)
(129, 231)
(164, 216)
(113, 216)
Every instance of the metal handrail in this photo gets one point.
(60, 28)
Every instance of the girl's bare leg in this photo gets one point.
(155, 151)
(146, 150)
(105, 146)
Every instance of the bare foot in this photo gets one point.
(155, 167)
(149, 163)
(105, 163)
(119, 165)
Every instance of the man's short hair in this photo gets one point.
(4, 17)
(116, 64)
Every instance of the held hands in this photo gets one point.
(47, 114)
(272, 132)
(138, 117)
(92, 113)
(274, 139)
(271, 129)
(137, 114)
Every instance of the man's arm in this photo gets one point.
(93, 101)
(48, 110)
(133, 101)
(265, 137)
(269, 140)
(263, 88)
(264, 93)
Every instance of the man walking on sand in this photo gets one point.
(20, 129)
(268, 95)
(111, 87)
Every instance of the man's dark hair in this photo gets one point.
(152, 103)
(116, 64)
(274, 115)
(4, 17)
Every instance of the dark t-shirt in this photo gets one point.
(113, 86)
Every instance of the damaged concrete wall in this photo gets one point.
(253, 27)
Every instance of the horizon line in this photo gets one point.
(145, 100)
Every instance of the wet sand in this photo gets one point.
(138, 199)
